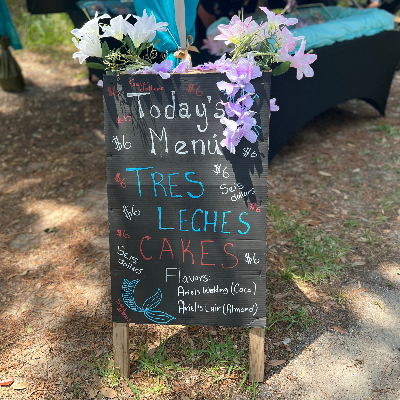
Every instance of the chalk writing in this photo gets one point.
(129, 214)
(247, 151)
(251, 259)
(119, 145)
(186, 239)
(123, 234)
(119, 180)
(217, 170)
(191, 89)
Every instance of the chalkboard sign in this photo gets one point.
(187, 217)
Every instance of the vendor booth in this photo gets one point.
(358, 51)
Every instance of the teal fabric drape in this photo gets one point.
(164, 11)
(7, 27)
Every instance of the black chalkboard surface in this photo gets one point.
(187, 217)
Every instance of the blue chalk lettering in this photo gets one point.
(210, 223)
(223, 221)
(159, 221)
(196, 230)
(182, 220)
(243, 222)
(202, 187)
(171, 185)
(137, 173)
(158, 183)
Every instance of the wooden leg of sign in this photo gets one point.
(121, 347)
(256, 356)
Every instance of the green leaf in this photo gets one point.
(95, 65)
(281, 68)
(154, 42)
(128, 43)
(49, 230)
(80, 193)
(105, 50)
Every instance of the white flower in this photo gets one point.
(150, 23)
(118, 27)
(145, 29)
(89, 41)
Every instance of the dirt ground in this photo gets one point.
(331, 335)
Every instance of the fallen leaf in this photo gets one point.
(356, 170)
(281, 260)
(355, 292)
(6, 382)
(324, 173)
(108, 392)
(338, 329)
(331, 215)
(351, 145)
(302, 374)
(275, 363)
(313, 191)
(175, 360)
(194, 328)
(92, 393)
(336, 191)
(359, 263)
(19, 386)
(151, 351)
(364, 185)
(280, 295)
(364, 290)
(213, 333)
(29, 329)
(323, 294)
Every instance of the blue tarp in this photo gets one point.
(7, 27)
(164, 11)
(348, 24)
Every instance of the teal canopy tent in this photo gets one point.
(181, 22)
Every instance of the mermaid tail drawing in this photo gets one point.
(128, 295)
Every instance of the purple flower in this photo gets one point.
(242, 71)
(276, 20)
(100, 83)
(205, 67)
(248, 133)
(163, 68)
(273, 106)
(246, 100)
(302, 62)
(287, 40)
(230, 88)
(223, 64)
(182, 67)
(232, 33)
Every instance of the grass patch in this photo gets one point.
(279, 220)
(389, 130)
(298, 317)
(48, 34)
(105, 370)
(317, 255)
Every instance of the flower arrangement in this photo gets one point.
(248, 49)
